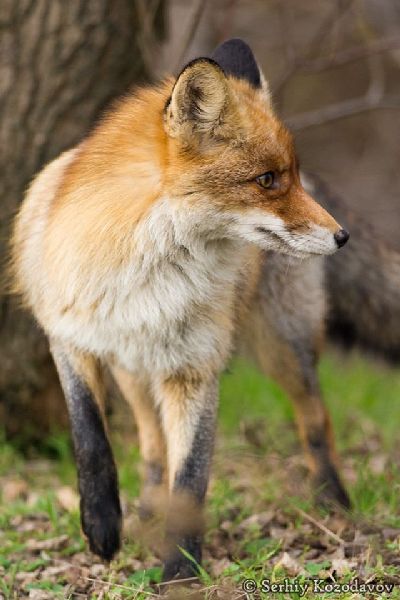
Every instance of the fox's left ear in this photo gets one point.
(199, 101)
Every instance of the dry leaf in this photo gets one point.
(258, 520)
(341, 566)
(33, 498)
(219, 566)
(377, 463)
(390, 533)
(285, 535)
(57, 543)
(14, 489)
(291, 566)
(26, 577)
(67, 498)
(40, 595)
(55, 571)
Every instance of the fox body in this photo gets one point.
(145, 240)
(173, 235)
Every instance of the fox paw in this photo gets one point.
(101, 523)
(329, 490)
(180, 566)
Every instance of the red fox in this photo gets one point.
(158, 247)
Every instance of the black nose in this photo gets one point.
(341, 237)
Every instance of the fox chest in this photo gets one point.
(171, 318)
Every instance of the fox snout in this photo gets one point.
(321, 226)
(321, 217)
(298, 227)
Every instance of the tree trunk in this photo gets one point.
(60, 64)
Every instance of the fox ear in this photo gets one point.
(199, 99)
(265, 88)
(236, 58)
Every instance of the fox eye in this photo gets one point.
(266, 180)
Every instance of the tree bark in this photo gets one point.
(61, 62)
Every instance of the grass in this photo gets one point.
(262, 525)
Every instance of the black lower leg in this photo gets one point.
(185, 525)
(97, 474)
(326, 481)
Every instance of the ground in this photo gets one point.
(261, 522)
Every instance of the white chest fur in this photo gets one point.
(169, 307)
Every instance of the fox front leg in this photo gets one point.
(139, 396)
(97, 474)
(188, 404)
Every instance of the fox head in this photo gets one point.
(232, 169)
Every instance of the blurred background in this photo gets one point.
(333, 68)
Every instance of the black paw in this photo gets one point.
(329, 490)
(180, 566)
(101, 522)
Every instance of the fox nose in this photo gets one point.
(341, 237)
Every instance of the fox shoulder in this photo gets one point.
(30, 225)
(70, 223)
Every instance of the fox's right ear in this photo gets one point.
(199, 101)
(236, 58)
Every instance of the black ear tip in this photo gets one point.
(233, 44)
(236, 58)
(234, 48)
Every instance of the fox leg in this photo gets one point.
(188, 405)
(151, 440)
(285, 334)
(97, 474)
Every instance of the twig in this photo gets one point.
(341, 110)
(188, 39)
(321, 526)
(313, 46)
(173, 581)
(285, 17)
(146, 14)
(119, 585)
(376, 88)
(350, 55)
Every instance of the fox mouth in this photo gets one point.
(270, 234)
(300, 248)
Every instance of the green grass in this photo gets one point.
(353, 389)
(258, 468)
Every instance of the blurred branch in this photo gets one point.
(147, 11)
(351, 54)
(340, 110)
(376, 88)
(373, 99)
(146, 14)
(285, 17)
(337, 13)
(188, 39)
